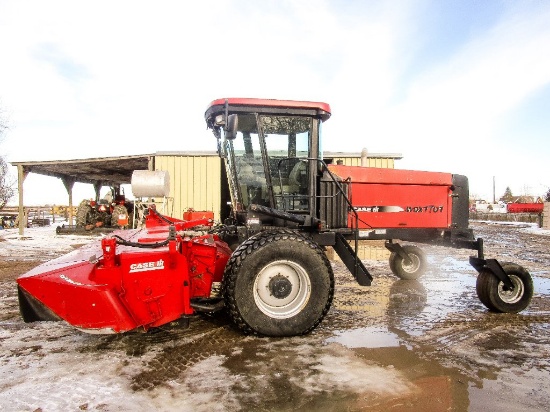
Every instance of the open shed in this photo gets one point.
(112, 171)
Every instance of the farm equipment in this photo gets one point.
(525, 207)
(266, 263)
(104, 215)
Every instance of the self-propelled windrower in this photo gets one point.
(266, 263)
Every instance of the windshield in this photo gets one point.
(269, 160)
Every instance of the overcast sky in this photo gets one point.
(455, 86)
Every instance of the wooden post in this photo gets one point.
(69, 183)
(21, 176)
(97, 188)
(546, 216)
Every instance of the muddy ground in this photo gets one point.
(397, 345)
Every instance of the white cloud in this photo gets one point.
(463, 102)
(113, 78)
(450, 116)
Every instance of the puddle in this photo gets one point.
(371, 337)
(442, 385)
(451, 264)
(446, 294)
(482, 395)
(435, 387)
(542, 285)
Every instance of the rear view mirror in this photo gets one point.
(231, 127)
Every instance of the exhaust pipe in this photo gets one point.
(364, 157)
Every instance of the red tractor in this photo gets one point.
(113, 211)
(266, 263)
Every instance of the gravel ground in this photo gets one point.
(396, 345)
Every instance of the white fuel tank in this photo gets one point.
(150, 183)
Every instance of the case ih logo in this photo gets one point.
(143, 267)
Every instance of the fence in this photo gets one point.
(509, 217)
(34, 215)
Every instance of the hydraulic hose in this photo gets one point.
(171, 236)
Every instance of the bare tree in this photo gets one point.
(6, 184)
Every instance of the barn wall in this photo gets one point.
(373, 161)
(195, 182)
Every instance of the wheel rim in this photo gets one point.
(514, 295)
(282, 289)
(413, 266)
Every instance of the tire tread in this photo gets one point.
(246, 249)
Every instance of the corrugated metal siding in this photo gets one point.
(368, 250)
(195, 182)
(373, 162)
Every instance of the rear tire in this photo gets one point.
(491, 292)
(408, 270)
(83, 213)
(278, 283)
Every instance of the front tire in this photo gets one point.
(492, 293)
(408, 270)
(278, 283)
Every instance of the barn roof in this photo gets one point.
(104, 170)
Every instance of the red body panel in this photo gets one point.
(392, 198)
(129, 287)
(525, 207)
(197, 214)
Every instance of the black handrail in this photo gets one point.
(324, 167)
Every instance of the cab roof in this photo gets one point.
(269, 106)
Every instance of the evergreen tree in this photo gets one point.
(507, 197)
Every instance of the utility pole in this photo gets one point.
(494, 196)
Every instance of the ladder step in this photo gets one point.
(352, 261)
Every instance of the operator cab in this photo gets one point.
(271, 151)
